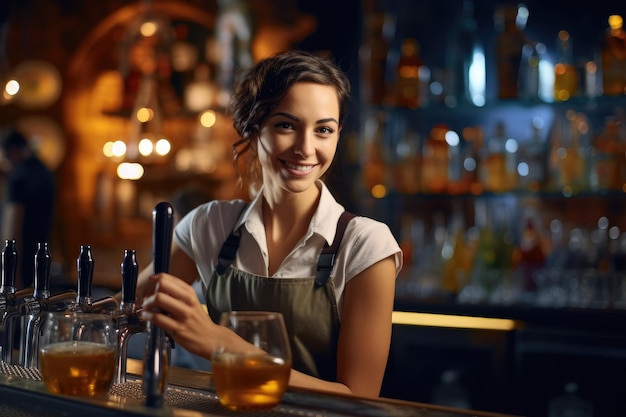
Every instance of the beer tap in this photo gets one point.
(157, 351)
(10, 299)
(84, 266)
(34, 308)
(126, 319)
(84, 300)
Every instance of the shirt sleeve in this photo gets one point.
(202, 232)
(369, 241)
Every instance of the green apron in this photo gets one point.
(308, 305)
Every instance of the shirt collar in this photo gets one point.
(323, 223)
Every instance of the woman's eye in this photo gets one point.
(326, 130)
(284, 125)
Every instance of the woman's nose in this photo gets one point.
(305, 144)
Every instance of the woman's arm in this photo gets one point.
(364, 335)
(364, 338)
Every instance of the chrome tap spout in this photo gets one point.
(10, 305)
(127, 321)
(127, 325)
(35, 310)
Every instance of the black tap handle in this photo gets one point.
(163, 224)
(9, 267)
(42, 271)
(156, 355)
(85, 265)
(130, 271)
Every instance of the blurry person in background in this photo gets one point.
(29, 204)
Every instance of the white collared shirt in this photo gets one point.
(203, 231)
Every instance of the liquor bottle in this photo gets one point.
(492, 161)
(613, 58)
(463, 49)
(531, 167)
(473, 140)
(529, 77)
(379, 28)
(510, 21)
(376, 160)
(607, 156)
(407, 82)
(407, 166)
(435, 161)
(456, 254)
(511, 156)
(569, 153)
(456, 179)
(565, 73)
(530, 254)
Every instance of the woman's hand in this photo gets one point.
(174, 307)
(181, 265)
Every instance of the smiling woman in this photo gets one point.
(292, 249)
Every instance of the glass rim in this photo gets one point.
(251, 313)
(80, 314)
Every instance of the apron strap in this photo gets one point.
(326, 260)
(229, 248)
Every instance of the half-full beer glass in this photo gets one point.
(77, 353)
(255, 377)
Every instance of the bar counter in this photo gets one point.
(188, 394)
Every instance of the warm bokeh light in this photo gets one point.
(445, 320)
(379, 191)
(148, 29)
(615, 22)
(12, 87)
(145, 146)
(118, 148)
(107, 149)
(208, 118)
(130, 171)
(145, 114)
(163, 146)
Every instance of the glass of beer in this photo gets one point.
(77, 353)
(254, 376)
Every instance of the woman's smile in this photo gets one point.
(299, 169)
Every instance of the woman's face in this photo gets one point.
(298, 141)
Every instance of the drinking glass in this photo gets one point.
(256, 376)
(77, 353)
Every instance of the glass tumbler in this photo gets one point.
(78, 353)
(253, 376)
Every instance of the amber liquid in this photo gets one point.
(249, 382)
(78, 368)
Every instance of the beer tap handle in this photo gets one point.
(85, 265)
(42, 272)
(130, 271)
(163, 219)
(156, 360)
(9, 267)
